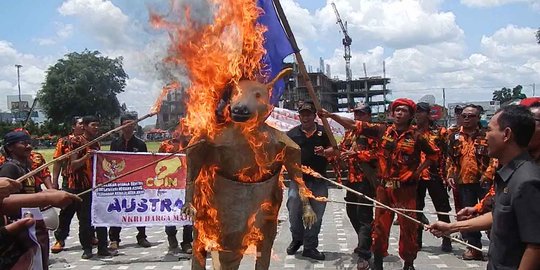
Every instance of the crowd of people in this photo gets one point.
(397, 163)
(493, 174)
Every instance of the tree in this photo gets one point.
(82, 84)
(506, 94)
(538, 35)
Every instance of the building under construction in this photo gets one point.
(333, 94)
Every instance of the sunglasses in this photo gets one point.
(466, 116)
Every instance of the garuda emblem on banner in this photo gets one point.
(112, 168)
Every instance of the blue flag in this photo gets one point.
(277, 45)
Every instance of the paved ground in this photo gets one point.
(337, 241)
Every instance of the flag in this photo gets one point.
(277, 46)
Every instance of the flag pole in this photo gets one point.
(303, 71)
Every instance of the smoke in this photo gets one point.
(201, 13)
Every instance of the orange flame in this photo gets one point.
(216, 55)
(207, 216)
(166, 89)
(305, 191)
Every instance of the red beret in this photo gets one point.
(527, 102)
(403, 102)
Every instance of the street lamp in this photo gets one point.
(19, 86)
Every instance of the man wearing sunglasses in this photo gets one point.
(467, 162)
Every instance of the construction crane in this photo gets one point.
(347, 41)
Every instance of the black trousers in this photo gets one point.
(86, 231)
(470, 195)
(187, 233)
(439, 196)
(114, 233)
(361, 217)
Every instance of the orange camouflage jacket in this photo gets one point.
(366, 152)
(438, 137)
(467, 159)
(399, 153)
(81, 178)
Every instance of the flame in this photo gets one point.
(166, 89)
(216, 55)
(304, 190)
(207, 217)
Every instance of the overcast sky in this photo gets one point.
(470, 47)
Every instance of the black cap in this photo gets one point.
(360, 106)
(458, 109)
(16, 136)
(308, 105)
(423, 107)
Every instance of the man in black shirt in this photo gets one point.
(313, 143)
(514, 220)
(128, 142)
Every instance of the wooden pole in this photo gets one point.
(399, 209)
(308, 170)
(68, 154)
(303, 71)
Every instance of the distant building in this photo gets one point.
(172, 109)
(6, 117)
(19, 111)
(334, 94)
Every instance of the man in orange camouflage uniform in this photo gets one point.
(78, 179)
(62, 147)
(176, 145)
(432, 178)
(400, 167)
(468, 161)
(359, 152)
(485, 205)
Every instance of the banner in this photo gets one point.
(153, 196)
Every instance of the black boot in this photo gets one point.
(377, 262)
(408, 266)
(446, 245)
(419, 236)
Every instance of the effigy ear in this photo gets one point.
(280, 75)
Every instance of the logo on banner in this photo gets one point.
(112, 168)
(165, 170)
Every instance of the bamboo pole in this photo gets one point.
(399, 209)
(74, 151)
(313, 173)
(303, 71)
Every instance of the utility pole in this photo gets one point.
(384, 84)
(366, 100)
(444, 107)
(19, 86)
(534, 89)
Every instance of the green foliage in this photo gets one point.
(82, 84)
(506, 94)
(5, 128)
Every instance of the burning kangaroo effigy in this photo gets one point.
(233, 184)
(233, 188)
